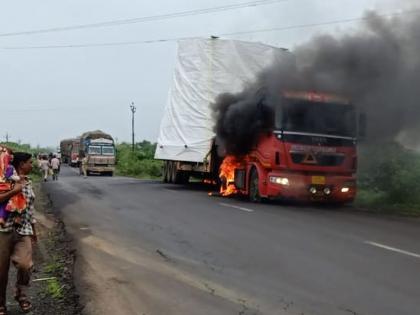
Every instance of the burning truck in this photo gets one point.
(288, 144)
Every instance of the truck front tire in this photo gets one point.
(254, 191)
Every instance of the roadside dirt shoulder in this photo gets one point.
(52, 289)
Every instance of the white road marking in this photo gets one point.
(236, 207)
(397, 250)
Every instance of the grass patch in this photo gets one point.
(54, 267)
(54, 289)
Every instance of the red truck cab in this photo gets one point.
(310, 155)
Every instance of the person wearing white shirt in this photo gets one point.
(55, 165)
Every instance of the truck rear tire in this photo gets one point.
(175, 174)
(254, 191)
(164, 172)
(170, 172)
(165, 175)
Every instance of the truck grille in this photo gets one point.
(317, 159)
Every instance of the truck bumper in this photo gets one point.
(101, 169)
(311, 187)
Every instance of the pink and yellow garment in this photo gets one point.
(8, 177)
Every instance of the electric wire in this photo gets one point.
(146, 18)
(171, 39)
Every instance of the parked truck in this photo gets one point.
(74, 153)
(306, 159)
(99, 149)
(69, 149)
(65, 150)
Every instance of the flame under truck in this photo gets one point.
(309, 155)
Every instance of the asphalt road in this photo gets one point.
(157, 249)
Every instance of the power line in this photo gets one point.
(171, 39)
(50, 109)
(125, 43)
(309, 25)
(146, 18)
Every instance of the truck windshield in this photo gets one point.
(94, 150)
(107, 150)
(317, 117)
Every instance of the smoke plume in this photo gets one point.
(377, 68)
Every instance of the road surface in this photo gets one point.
(150, 248)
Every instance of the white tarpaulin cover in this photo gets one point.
(205, 68)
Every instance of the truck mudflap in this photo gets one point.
(312, 187)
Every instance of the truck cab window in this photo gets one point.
(95, 150)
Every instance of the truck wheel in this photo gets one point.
(165, 176)
(170, 172)
(164, 173)
(174, 174)
(254, 192)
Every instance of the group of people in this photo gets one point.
(17, 225)
(49, 165)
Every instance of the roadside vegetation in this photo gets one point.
(139, 163)
(389, 179)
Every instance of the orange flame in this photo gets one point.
(227, 174)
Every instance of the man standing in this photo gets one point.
(84, 166)
(44, 165)
(55, 165)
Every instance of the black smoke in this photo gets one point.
(377, 68)
(239, 118)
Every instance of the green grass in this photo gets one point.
(54, 289)
(54, 267)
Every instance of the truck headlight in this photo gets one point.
(279, 180)
(345, 189)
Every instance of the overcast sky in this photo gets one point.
(50, 94)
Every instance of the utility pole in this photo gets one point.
(7, 137)
(133, 110)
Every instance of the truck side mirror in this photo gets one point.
(362, 126)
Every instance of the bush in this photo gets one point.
(140, 163)
(389, 176)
